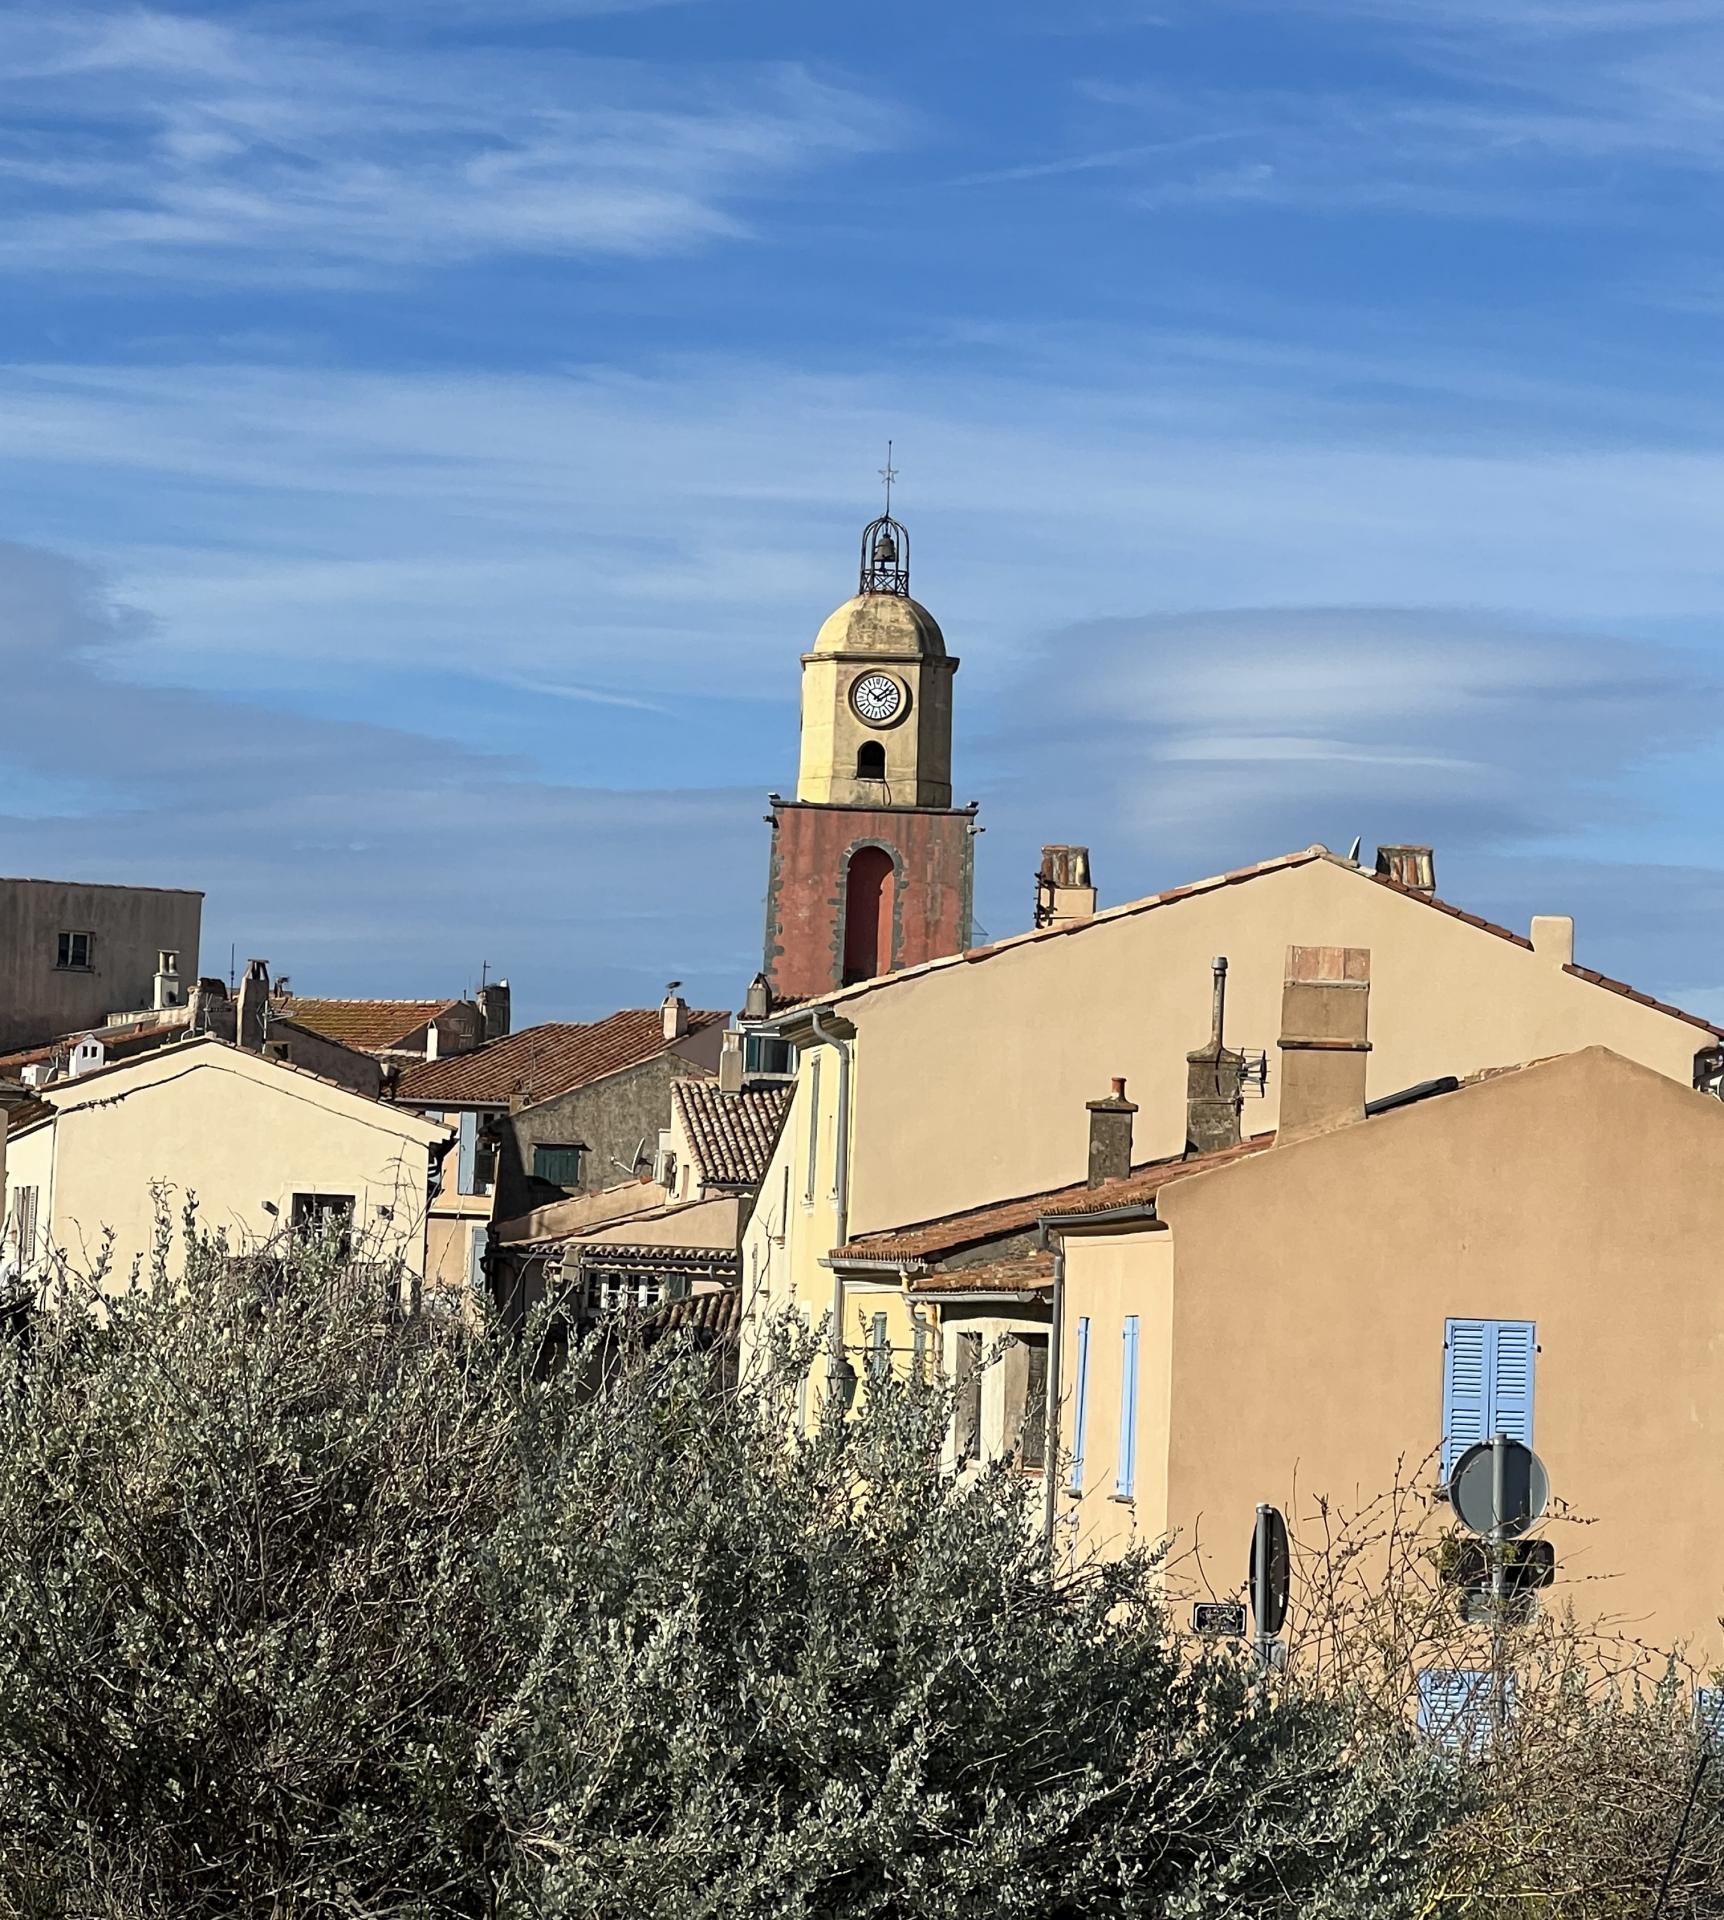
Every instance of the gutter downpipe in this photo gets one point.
(1051, 1419)
(840, 1187)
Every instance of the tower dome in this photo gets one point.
(890, 623)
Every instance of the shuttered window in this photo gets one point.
(813, 1131)
(879, 1352)
(1080, 1405)
(467, 1154)
(967, 1357)
(476, 1259)
(1487, 1383)
(1125, 1481)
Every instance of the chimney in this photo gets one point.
(207, 995)
(1553, 938)
(1325, 1005)
(1214, 1079)
(757, 1002)
(1110, 1136)
(493, 1000)
(1064, 894)
(253, 1000)
(433, 1040)
(730, 1062)
(1412, 867)
(674, 1012)
(166, 991)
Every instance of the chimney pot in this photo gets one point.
(1065, 893)
(674, 1014)
(730, 1062)
(1553, 938)
(1110, 1136)
(1412, 867)
(252, 999)
(1325, 1011)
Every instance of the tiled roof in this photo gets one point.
(371, 1026)
(1237, 877)
(116, 1041)
(717, 1316)
(1025, 1273)
(932, 1240)
(539, 1063)
(731, 1135)
(26, 1114)
(1138, 1188)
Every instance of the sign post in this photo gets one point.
(1269, 1580)
(1499, 1490)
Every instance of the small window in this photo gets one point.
(871, 761)
(1487, 1383)
(767, 1056)
(968, 1409)
(325, 1216)
(879, 1350)
(558, 1166)
(74, 952)
(24, 1220)
(1030, 1408)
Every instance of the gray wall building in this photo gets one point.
(72, 952)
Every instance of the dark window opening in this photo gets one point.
(325, 1216)
(871, 761)
(74, 952)
(869, 896)
(1031, 1411)
(558, 1166)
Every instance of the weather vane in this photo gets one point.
(888, 473)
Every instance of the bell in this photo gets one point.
(885, 551)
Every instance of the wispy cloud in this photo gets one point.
(146, 142)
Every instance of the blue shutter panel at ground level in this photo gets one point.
(476, 1258)
(1080, 1409)
(1125, 1485)
(1455, 1707)
(1511, 1381)
(1466, 1387)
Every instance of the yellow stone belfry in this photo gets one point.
(877, 692)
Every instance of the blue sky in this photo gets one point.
(431, 434)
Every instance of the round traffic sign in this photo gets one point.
(1524, 1488)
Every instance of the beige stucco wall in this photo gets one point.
(1309, 1292)
(237, 1132)
(971, 1080)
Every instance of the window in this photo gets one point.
(74, 952)
(918, 1347)
(1080, 1407)
(1030, 1409)
(1487, 1383)
(871, 760)
(321, 1216)
(1455, 1708)
(813, 1130)
(1125, 1479)
(24, 1218)
(476, 1259)
(879, 1353)
(784, 1207)
(559, 1166)
(766, 1056)
(968, 1424)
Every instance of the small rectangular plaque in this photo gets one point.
(1218, 1619)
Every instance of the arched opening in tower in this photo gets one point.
(869, 891)
(871, 760)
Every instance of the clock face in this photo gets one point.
(877, 698)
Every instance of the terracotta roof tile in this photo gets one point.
(717, 1316)
(1025, 1273)
(540, 1063)
(932, 1240)
(371, 1026)
(1140, 1187)
(731, 1135)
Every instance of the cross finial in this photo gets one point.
(888, 473)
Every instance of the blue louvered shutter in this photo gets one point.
(1080, 1409)
(467, 1164)
(1709, 1717)
(476, 1259)
(1511, 1380)
(1125, 1485)
(1466, 1387)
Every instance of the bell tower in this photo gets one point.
(871, 863)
